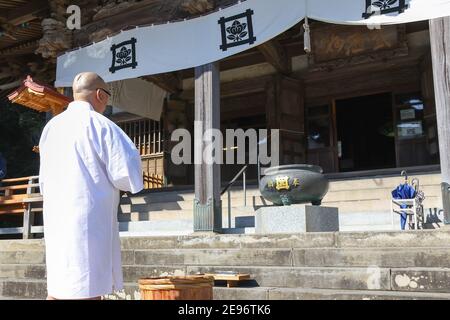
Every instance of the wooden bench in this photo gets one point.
(232, 279)
(20, 196)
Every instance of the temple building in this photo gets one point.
(357, 87)
(356, 100)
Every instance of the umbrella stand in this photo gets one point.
(409, 212)
(407, 202)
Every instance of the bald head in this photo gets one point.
(85, 88)
(86, 83)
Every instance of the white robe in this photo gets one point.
(85, 160)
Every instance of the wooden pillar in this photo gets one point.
(440, 51)
(207, 203)
(28, 218)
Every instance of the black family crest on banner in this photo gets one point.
(237, 30)
(384, 7)
(123, 55)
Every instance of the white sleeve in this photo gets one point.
(122, 160)
(41, 159)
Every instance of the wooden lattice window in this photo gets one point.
(146, 134)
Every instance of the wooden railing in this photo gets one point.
(148, 137)
(20, 196)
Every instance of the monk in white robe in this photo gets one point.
(85, 161)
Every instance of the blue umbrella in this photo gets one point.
(404, 191)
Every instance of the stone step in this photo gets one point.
(22, 245)
(367, 218)
(301, 240)
(219, 257)
(22, 271)
(397, 239)
(323, 257)
(244, 217)
(368, 227)
(382, 182)
(131, 292)
(184, 214)
(421, 279)
(422, 238)
(366, 197)
(17, 298)
(430, 183)
(370, 193)
(156, 228)
(270, 293)
(328, 278)
(25, 289)
(189, 205)
(383, 239)
(31, 264)
(161, 196)
(171, 228)
(36, 290)
(371, 278)
(22, 257)
(364, 213)
(388, 257)
(327, 294)
(360, 278)
(365, 188)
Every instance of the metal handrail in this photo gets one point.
(230, 184)
(243, 173)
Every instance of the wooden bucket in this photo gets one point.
(195, 287)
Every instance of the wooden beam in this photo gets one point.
(25, 13)
(197, 6)
(27, 47)
(440, 51)
(276, 56)
(141, 13)
(5, 72)
(236, 88)
(171, 82)
(207, 203)
(11, 85)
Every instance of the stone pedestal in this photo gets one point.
(296, 218)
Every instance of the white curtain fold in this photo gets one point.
(181, 45)
(138, 97)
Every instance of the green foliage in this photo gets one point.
(20, 130)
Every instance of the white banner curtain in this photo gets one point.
(187, 44)
(372, 12)
(138, 97)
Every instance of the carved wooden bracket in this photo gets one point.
(171, 82)
(57, 39)
(276, 56)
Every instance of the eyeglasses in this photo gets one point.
(105, 91)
